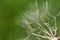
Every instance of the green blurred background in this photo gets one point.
(11, 11)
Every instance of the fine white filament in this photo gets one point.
(53, 32)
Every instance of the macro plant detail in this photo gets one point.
(44, 22)
(29, 19)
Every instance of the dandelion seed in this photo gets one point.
(33, 18)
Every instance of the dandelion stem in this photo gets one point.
(48, 26)
(40, 35)
(55, 27)
(43, 29)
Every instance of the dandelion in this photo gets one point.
(31, 18)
